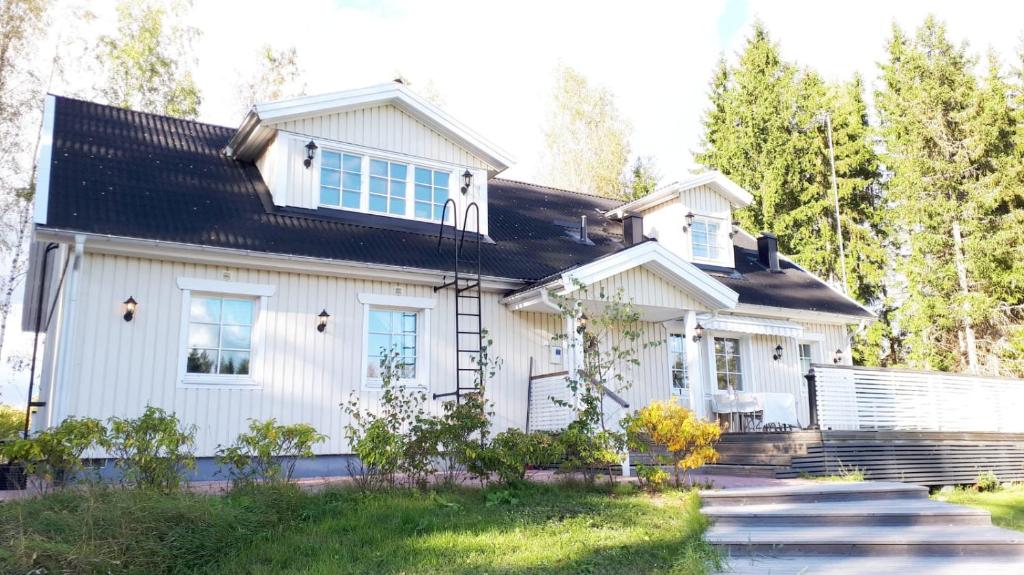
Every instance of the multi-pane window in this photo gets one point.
(728, 366)
(704, 236)
(805, 357)
(677, 363)
(387, 187)
(431, 194)
(392, 332)
(219, 335)
(341, 179)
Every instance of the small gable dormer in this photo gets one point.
(381, 150)
(693, 218)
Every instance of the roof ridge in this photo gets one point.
(152, 114)
(553, 188)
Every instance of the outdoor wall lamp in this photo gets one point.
(467, 181)
(582, 327)
(837, 356)
(698, 332)
(310, 153)
(735, 229)
(778, 352)
(129, 308)
(321, 321)
(689, 221)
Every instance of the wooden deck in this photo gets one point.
(920, 457)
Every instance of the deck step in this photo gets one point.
(892, 512)
(960, 541)
(837, 565)
(766, 471)
(814, 493)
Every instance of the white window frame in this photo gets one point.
(260, 294)
(685, 390)
(406, 201)
(433, 205)
(411, 162)
(716, 238)
(423, 307)
(746, 357)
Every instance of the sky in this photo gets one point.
(492, 62)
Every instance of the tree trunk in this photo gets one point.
(961, 273)
(17, 261)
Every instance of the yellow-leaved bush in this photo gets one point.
(687, 440)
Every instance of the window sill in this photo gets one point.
(218, 382)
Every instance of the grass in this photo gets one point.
(1006, 504)
(533, 529)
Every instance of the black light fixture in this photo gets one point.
(321, 323)
(582, 327)
(129, 308)
(698, 332)
(778, 352)
(837, 356)
(735, 229)
(467, 181)
(310, 153)
(689, 220)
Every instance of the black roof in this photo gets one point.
(130, 174)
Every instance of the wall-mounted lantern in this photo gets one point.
(310, 153)
(581, 326)
(321, 321)
(837, 356)
(698, 332)
(735, 229)
(689, 221)
(778, 352)
(467, 181)
(129, 307)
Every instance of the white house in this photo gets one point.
(231, 242)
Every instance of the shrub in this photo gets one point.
(12, 422)
(511, 452)
(269, 451)
(55, 455)
(587, 450)
(460, 434)
(688, 440)
(152, 450)
(651, 477)
(986, 481)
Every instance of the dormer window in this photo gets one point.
(704, 236)
(431, 193)
(341, 180)
(387, 187)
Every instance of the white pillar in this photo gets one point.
(693, 370)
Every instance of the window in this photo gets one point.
(677, 363)
(704, 235)
(219, 335)
(805, 358)
(392, 331)
(387, 187)
(341, 179)
(431, 194)
(727, 363)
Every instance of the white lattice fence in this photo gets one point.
(859, 398)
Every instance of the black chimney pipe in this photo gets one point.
(632, 229)
(768, 252)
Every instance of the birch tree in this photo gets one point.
(586, 139)
(277, 76)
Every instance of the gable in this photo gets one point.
(644, 288)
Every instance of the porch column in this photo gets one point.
(697, 383)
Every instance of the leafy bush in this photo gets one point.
(651, 477)
(12, 422)
(55, 455)
(987, 481)
(269, 451)
(511, 452)
(587, 450)
(152, 450)
(688, 439)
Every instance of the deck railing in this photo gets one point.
(863, 398)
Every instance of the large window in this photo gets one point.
(431, 194)
(677, 363)
(392, 332)
(341, 180)
(728, 364)
(704, 234)
(387, 187)
(219, 335)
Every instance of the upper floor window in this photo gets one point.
(704, 237)
(431, 194)
(677, 363)
(341, 180)
(387, 187)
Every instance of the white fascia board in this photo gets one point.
(536, 300)
(172, 251)
(792, 314)
(44, 161)
(753, 325)
(660, 260)
(393, 93)
(715, 179)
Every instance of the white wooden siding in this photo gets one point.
(643, 287)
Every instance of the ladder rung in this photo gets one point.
(469, 287)
(469, 351)
(469, 296)
(468, 369)
(468, 332)
(468, 314)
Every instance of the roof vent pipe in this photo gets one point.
(768, 252)
(583, 230)
(632, 229)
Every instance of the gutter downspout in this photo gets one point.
(66, 340)
(29, 404)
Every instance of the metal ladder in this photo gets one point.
(469, 341)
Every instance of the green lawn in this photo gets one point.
(1006, 505)
(537, 529)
